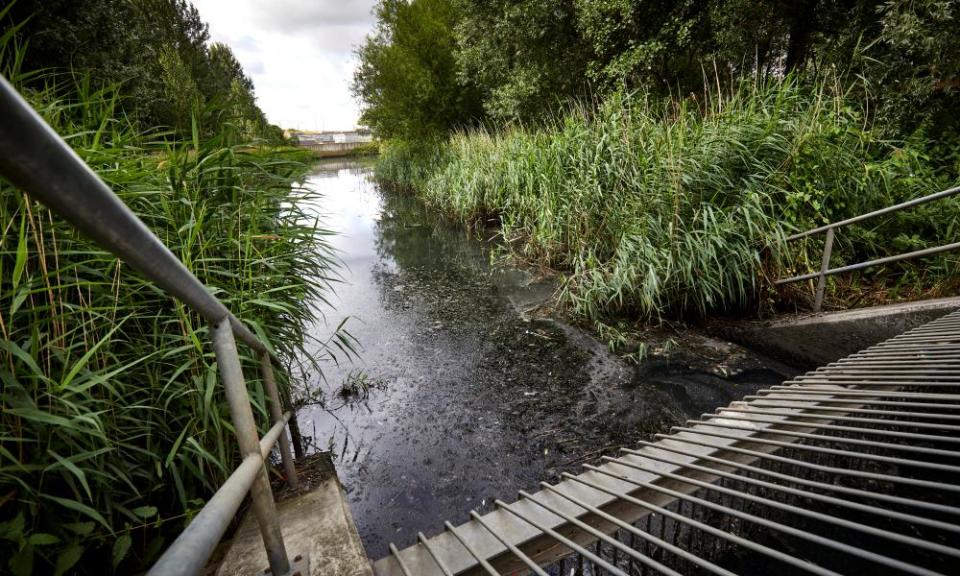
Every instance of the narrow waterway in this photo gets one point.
(460, 394)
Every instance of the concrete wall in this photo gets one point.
(333, 149)
(817, 339)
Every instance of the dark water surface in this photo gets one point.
(459, 398)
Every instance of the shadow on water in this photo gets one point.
(457, 399)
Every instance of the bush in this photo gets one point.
(665, 208)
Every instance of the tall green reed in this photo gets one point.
(670, 208)
(113, 429)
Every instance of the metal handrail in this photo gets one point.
(35, 159)
(825, 269)
(204, 532)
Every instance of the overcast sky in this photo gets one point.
(299, 54)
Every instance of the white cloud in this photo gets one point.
(291, 15)
(299, 54)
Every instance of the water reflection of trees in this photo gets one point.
(332, 168)
(419, 240)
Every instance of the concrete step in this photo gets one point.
(817, 339)
(316, 521)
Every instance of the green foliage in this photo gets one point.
(371, 148)
(657, 207)
(916, 67)
(155, 50)
(407, 77)
(660, 202)
(113, 426)
(525, 57)
(409, 166)
(657, 45)
(180, 91)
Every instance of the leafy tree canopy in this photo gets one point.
(407, 78)
(525, 57)
(430, 60)
(158, 51)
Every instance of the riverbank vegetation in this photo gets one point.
(113, 426)
(658, 153)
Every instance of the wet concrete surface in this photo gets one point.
(460, 395)
(816, 339)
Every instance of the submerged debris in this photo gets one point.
(487, 393)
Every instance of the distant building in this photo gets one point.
(306, 138)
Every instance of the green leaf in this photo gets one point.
(145, 512)
(19, 300)
(21, 563)
(21, 261)
(68, 558)
(80, 528)
(153, 548)
(79, 507)
(210, 387)
(22, 355)
(195, 132)
(73, 469)
(89, 354)
(268, 304)
(35, 415)
(176, 446)
(120, 548)
(41, 539)
(12, 530)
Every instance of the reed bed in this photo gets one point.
(114, 429)
(661, 209)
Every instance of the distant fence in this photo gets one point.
(334, 149)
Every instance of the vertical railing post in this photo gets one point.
(245, 427)
(276, 415)
(824, 266)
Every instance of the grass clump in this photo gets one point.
(407, 165)
(113, 428)
(659, 208)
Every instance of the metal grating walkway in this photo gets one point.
(853, 468)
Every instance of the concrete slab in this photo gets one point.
(317, 521)
(816, 339)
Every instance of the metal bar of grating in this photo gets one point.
(852, 468)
